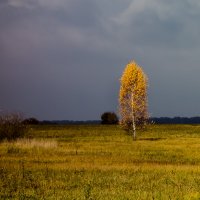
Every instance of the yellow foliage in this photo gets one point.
(133, 96)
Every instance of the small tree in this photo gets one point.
(11, 126)
(109, 118)
(31, 121)
(133, 98)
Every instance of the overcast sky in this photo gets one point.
(62, 59)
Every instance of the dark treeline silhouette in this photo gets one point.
(155, 120)
(63, 122)
(31, 121)
(175, 120)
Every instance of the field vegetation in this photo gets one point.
(102, 162)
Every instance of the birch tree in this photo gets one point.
(133, 98)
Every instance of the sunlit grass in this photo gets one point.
(32, 143)
(102, 162)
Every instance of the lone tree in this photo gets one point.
(133, 98)
(109, 118)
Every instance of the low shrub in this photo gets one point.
(11, 126)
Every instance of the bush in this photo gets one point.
(31, 121)
(11, 126)
(109, 118)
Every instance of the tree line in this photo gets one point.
(175, 120)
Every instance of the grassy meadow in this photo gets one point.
(102, 162)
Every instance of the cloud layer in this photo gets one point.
(63, 59)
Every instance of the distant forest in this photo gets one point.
(156, 120)
(176, 120)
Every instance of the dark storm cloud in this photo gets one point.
(63, 59)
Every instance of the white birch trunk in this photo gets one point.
(133, 118)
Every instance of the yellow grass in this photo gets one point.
(102, 162)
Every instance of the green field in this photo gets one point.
(102, 162)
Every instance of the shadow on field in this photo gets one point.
(152, 139)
